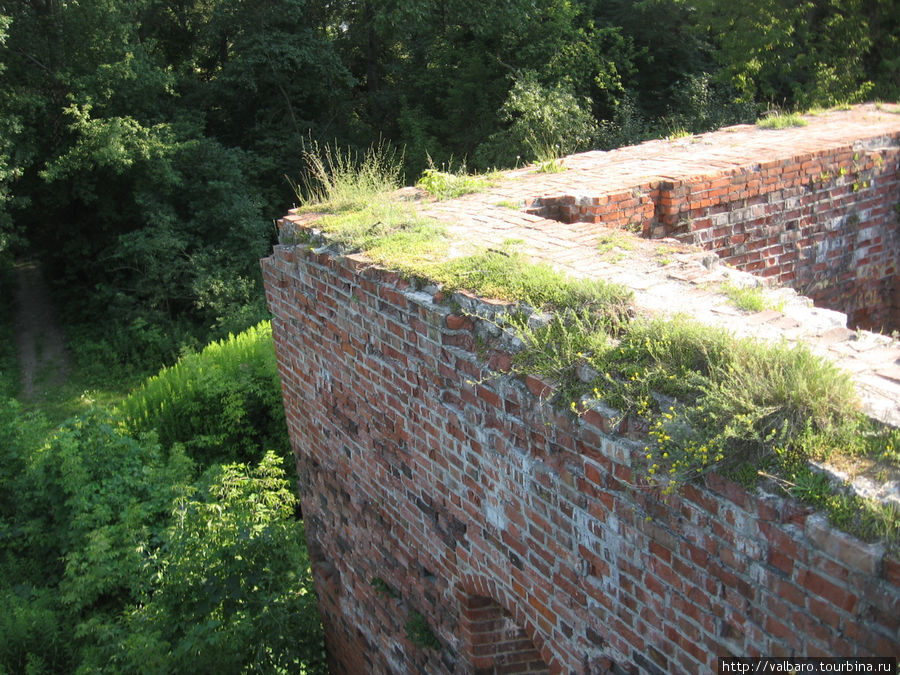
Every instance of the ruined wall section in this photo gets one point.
(826, 223)
(434, 487)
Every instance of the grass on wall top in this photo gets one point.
(710, 401)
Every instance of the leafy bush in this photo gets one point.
(34, 636)
(88, 500)
(117, 558)
(222, 404)
(547, 122)
(626, 126)
(232, 586)
(699, 104)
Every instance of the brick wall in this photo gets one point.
(826, 223)
(431, 485)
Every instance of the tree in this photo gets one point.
(9, 169)
(800, 54)
(231, 584)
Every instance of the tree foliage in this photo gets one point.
(143, 144)
(811, 53)
(122, 553)
(143, 148)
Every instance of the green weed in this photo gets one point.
(419, 632)
(749, 298)
(715, 402)
(673, 130)
(613, 243)
(382, 587)
(779, 121)
(549, 166)
(339, 179)
(506, 203)
(447, 185)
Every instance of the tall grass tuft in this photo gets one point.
(779, 121)
(343, 179)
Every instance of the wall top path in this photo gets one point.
(731, 149)
(668, 277)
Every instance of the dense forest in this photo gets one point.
(146, 147)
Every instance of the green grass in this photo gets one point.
(507, 204)
(738, 407)
(354, 193)
(447, 184)
(383, 226)
(508, 275)
(613, 244)
(339, 179)
(710, 401)
(749, 298)
(779, 121)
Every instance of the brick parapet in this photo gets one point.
(421, 467)
(822, 223)
(816, 208)
(826, 223)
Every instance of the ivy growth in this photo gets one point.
(419, 632)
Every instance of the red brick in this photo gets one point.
(457, 322)
(516, 501)
(836, 595)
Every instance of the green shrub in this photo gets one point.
(88, 501)
(547, 122)
(32, 625)
(232, 585)
(116, 557)
(222, 404)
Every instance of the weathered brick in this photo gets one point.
(471, 499)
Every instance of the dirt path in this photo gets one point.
(43, 360)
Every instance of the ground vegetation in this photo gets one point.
(146, 146)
